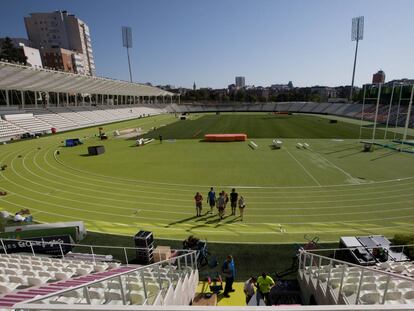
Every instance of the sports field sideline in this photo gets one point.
(332, 189)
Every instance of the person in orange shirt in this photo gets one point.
(199, 203)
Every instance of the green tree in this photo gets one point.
(11, 53)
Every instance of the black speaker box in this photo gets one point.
(96, 150)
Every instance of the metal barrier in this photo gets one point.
(312, 266)
(166, 273)
(24, 307)
(93, 250)
(397, 249)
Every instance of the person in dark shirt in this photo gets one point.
(221, 204)
(233, 201)
(211, 199)
(229, 272)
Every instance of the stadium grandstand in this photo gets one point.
(44, 170)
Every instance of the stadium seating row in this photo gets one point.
(344, 284)
(41, 120)
(25, 277)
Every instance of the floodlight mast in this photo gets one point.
(356, 35)
(127, 42)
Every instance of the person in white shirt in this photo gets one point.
(249, 288)
(18, 217)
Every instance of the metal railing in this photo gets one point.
(94, 251)
(24, 307)
(333, 252)
(164, 273)
(320, 269)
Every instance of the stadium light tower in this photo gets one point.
(127, 42)
(357, 34)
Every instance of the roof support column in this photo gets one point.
(76, 99)
(179, 98)
(7, 98)
(58, 99)
(47, 95)
(35, 96)
(22, 95)
(67, 99)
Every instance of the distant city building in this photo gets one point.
(194, 86)
(58, 59)
(78, 63)
(378, 77)
(400, 81)
(290, 84)
(240, 82)
(281, 87)
(62, 30)
(324, 92)
(33, 57)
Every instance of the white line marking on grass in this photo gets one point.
(259, 203)
(306, 171)
(337, 167)
(216, 231)
(129, 180)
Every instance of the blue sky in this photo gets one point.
(211, 41)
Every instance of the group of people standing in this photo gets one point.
(221, 202)
(260, 286)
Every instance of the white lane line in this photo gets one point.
(372, 229)
(166, 211)
(258, 203)
(377, 188)
(146, 191)
(221, 186)
(306, 171)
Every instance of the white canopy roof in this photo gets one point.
(19, 77)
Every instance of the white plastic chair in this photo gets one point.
(37, 281)
(112, 295)
(7, 287)
(369, 286)
(409, 297)
(405, 285)
(96, 294)
(393, 297)
(349, 289)
(133, 286)
(21, 280)
(383, 285)
(136, 298)
(61, 276)
(29, 273)
(370, 298)
(11, 272)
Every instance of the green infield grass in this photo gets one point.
(329, 190)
